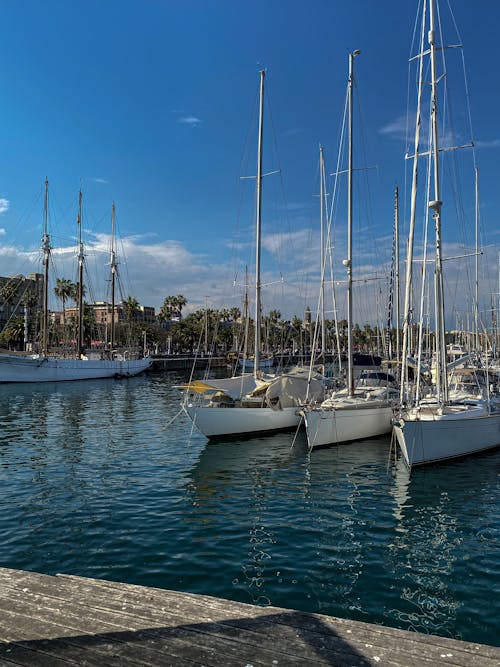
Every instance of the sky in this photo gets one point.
(153, 105)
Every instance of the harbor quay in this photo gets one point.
(63, 620)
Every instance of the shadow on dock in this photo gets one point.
(56, 621)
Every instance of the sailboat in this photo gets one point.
(44, 367)
(456, 418)
(367, 411)
(250, 404)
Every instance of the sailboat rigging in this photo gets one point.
(250, 404)
(352, 413)
(460, 414)
(46, 367)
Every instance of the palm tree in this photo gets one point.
(297, 332)
(13, 333)
(235, 313)
(73, 295)
(29, 299)
(181, 301)
(171, 305)
(167, 309)
(130, 306)
(64, 290)
(8, 293)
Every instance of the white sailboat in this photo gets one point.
(44, 367)
(463, 417)
(250, 404)
(367, 411)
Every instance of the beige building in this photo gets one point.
(102, 312)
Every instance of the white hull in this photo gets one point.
(330, 426)
(219, 422)
(439, 439)
(52, 369)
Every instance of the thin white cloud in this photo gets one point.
(296, 206)
(287, 243)
(99, 180)
(494, 143)
(2, 231)
(189, 120)
(402, 128)
(396, 129)
(4, 205)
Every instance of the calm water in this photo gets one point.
(94, 483)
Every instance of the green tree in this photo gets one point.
(13, 333)
(8, 293)
(64, 290)
(29, 299)
(171, 304)
(181, 301)
(130, 306)
(74, 292)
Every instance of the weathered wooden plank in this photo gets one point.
(109, 622)
(275, 642)
(193, 596)
(181, 641)
(264, 648)
(141, 645)
(379, 637)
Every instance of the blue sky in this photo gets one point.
(152, 105)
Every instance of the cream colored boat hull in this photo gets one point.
(15, 368)
(223, 422)
(443, 438)
(330, 426)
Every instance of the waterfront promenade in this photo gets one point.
(67, 620)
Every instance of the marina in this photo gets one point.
(99, 484)
(296, 464)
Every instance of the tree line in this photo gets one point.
(211, 330)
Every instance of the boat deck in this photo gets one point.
(67, 620)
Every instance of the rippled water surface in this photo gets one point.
(95, 482)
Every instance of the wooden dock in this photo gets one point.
(67, 620)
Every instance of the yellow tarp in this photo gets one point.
(198, 387)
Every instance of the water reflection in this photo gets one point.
(95, 483)
(436, 546)
(340, 532)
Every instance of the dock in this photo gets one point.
(62, 620)
(179, 362)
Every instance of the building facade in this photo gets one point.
(19, 291)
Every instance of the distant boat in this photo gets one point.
(248, 364)
(44, 367)
(455, 418)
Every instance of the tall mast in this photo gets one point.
(46, 260)
(476, 290)
(413, 210)
(348, 262)
(396, 242)
(322, 252)
(258, 315)
(81, 260)
(112, 263)
(435, 206)
(246, 318)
